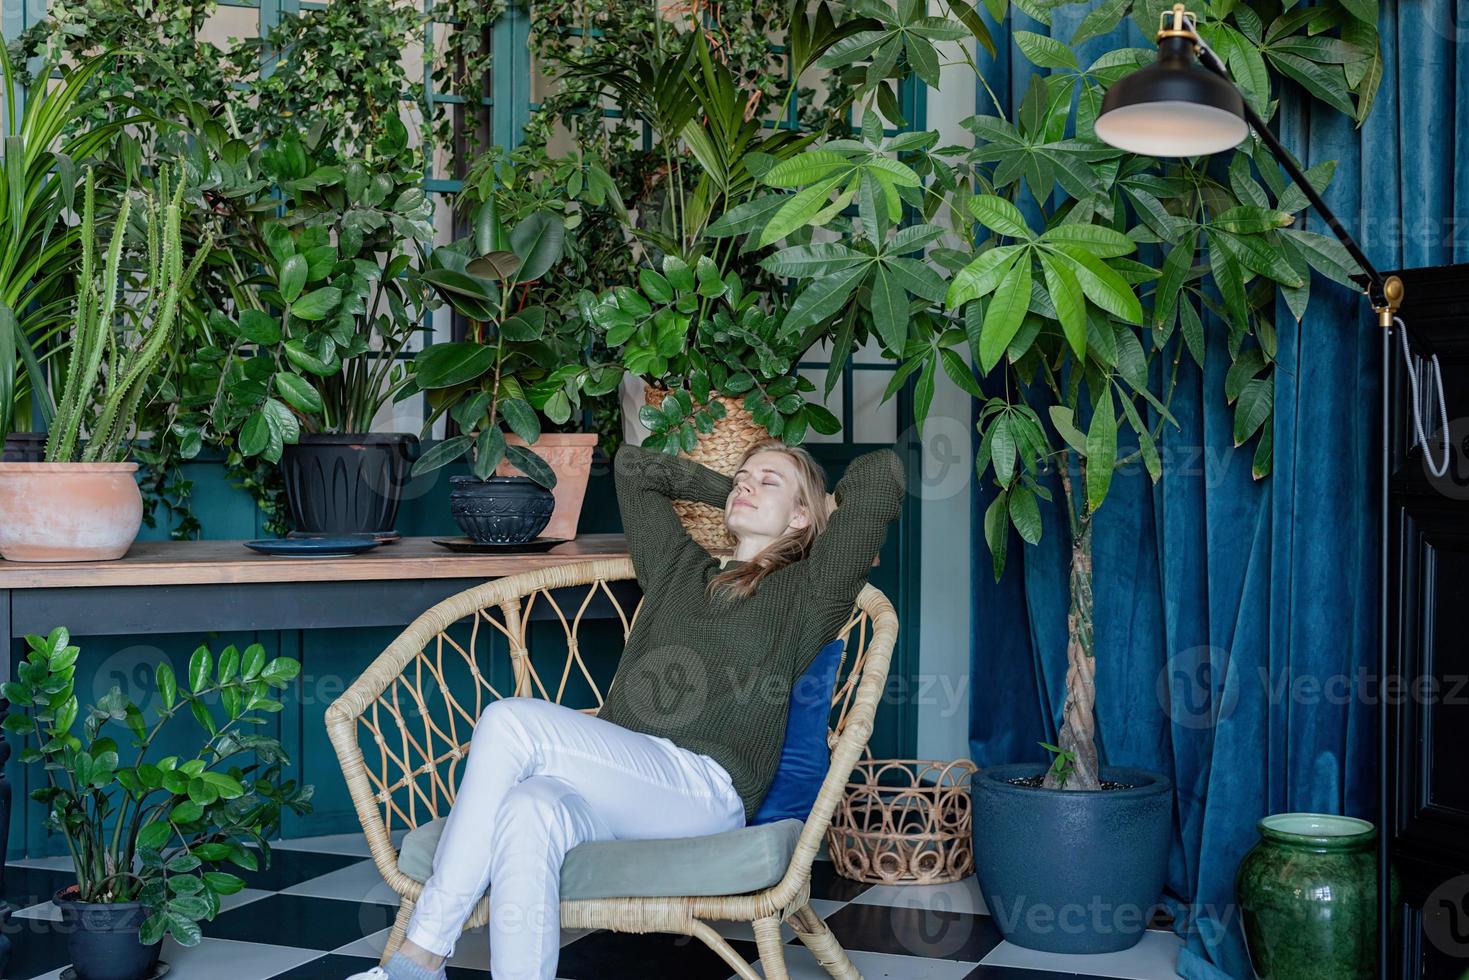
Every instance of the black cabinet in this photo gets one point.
(1424, 685)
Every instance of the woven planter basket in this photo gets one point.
(719, 450)
(904, 822)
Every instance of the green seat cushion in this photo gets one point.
(732, 863)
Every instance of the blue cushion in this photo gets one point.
(805, 757)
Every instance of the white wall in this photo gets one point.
(942, 694)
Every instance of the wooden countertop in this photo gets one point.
(230, 562)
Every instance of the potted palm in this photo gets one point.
(519, 363)
(315, 335)
(147, 838)
(82, 502)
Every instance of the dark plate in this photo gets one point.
(323, 547)
(517, 548)
(160, 969)
(381, 537)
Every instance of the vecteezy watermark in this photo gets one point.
(1193, 688)
(1200, 688)
(667, 682)
(1446, 917)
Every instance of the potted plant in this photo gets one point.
(528, 190)
(82, 503)
(38, 247)
(147, 838)
(315, 334)
(519, 362)
(1076, 316)
(714, 147)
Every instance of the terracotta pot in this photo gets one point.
(68, 511)
(570, 456)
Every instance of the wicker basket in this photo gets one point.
(904, 822)
(719, 450)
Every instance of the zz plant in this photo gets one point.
(157, 830)
(701, 336)
(311, 344)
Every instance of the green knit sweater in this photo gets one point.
(714, 676)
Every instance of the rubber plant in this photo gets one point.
(156, 830)
(112, 360)
(520, 360)
(1056, 279)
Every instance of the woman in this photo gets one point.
(689, 736)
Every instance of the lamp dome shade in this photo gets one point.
(1172, 108)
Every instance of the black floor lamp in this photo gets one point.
(1186, 105)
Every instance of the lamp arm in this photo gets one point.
(1385, 295)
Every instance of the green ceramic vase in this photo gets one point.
(1308, 898)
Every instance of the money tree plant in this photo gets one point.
(1058, 280)
(157, 830)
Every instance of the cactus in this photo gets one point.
(108, 372)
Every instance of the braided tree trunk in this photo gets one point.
(1079, 726)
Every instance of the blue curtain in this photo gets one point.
(1236, 619)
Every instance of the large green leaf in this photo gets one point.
(453, 363)
(537, 240)
(297, 392)
(823, 297)
(889, 309)
(1003, 316)
(316, 304)
(531, 465)
(442, 453)
(807, 261)
(1103, 285)
(1101, 450)
(981, 276)
(1068, 298)
(999, 216)
(521, 418)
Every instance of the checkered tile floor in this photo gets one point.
(321, 912)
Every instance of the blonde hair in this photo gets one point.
(793, 545)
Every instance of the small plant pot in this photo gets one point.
(569, 455)
(1071, 871)
(346, 483)
(68, 511)
(500, 510)
(103, 938)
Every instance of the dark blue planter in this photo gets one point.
(1067, 871)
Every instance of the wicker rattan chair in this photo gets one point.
(417, 733)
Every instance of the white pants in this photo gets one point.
(541, 778)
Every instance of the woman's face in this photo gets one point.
(765, 500)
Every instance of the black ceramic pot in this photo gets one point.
(103, 939)
(25, 447)
(500, 510)
(1071, 871)
(346, 484)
